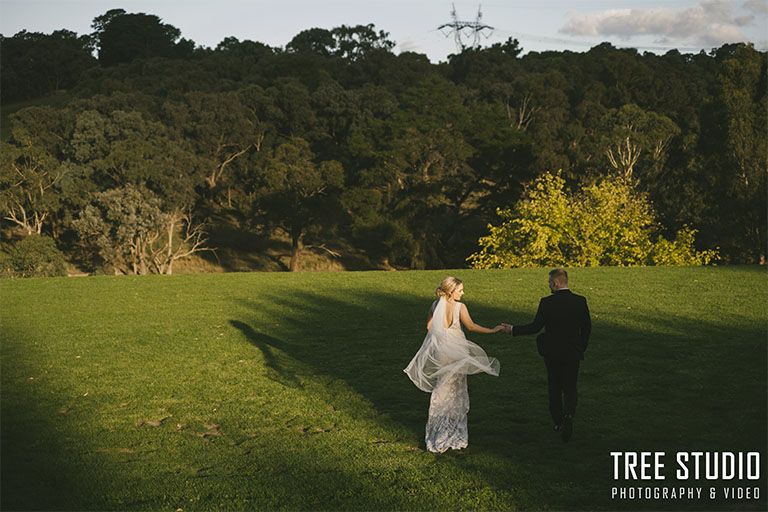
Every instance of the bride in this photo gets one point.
(442, 364)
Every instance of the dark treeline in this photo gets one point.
(335, 141)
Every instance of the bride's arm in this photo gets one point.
(472, 326)
(431, 312)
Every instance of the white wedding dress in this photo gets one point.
(441, 367)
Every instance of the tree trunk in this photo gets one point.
(295, 250)
(141, 256)
(171, 229)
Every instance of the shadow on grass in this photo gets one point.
(26, 483)
(269, 347)
(655, 383)
(640, 390)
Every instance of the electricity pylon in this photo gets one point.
(460, 29)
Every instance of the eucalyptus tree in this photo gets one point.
(220, 127)
(33, 169)
(141, 220)
(291, 109)
(297, 193)
(637, 138)
(28, 177)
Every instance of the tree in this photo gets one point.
(33, 64)
(336, 113)
(429, 151)
(122, 224)
(183, 237)
(28, 176)
(121, 37)
(607, 223)
(298, 194)
(635, 134)
(137, 162)
(742, 93)
(222, 127)
(126, 148)
(315, 40)
(550, 126)
(291, 109)
(428, 138)
(33, 168)
(356, 42)
(421, 170)
(131, 234)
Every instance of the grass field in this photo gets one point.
(279, 391)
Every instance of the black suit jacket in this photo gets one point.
(565, 319)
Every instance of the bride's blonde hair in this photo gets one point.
(447, 287)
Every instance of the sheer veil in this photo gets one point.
(445, 353)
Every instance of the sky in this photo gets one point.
(576, 25)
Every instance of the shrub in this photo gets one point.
(34, 256)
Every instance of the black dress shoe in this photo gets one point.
(567, 430)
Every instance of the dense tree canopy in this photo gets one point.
(335, 141)
(34, 64)
(121, 37)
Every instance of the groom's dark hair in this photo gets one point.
(559, 274)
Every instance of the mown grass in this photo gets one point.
(286, 392)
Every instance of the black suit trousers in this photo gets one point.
(561, 380)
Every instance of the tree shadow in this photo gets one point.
(275, 363)
(662, 382)
(652, 383)
(25, 432)
(380, 333)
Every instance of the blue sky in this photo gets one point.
(576, 25)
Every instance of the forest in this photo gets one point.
(131, 150)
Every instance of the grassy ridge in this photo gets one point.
(286, 391)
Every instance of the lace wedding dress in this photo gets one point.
(441, 367)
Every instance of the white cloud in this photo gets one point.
(710, 23)
(757, 6)
(409, 46)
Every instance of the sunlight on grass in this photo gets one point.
(286, 391)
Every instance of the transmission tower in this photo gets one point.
(465, 29)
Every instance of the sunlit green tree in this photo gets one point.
(607, 223)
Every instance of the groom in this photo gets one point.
(565, 319)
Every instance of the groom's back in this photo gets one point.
(567, 324)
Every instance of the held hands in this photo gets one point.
(505, 328)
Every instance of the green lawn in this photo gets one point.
(268, 391)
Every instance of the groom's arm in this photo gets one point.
(586, 327)
(533, 327)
